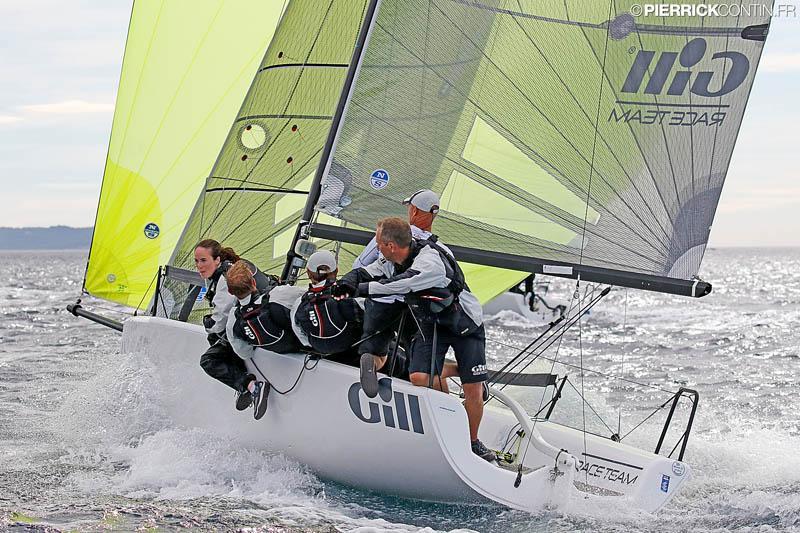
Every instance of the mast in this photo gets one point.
(293, 260)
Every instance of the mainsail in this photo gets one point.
(186, 69)
(570, 138)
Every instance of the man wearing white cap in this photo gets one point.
(329, 326)
(423, 206)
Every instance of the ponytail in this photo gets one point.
(217, 251)
(227, 254)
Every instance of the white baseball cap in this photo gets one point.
(424, 200)
(321, 260)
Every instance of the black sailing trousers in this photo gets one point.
(221, 363)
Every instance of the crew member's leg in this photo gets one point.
(379, 320)
(221, 363)
(470, 353)
(419, 366)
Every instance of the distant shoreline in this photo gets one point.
(45, 239)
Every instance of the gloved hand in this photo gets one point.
(344, 289)
(216, 338)
(208, 322)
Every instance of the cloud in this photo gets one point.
(68, 107)
(781, 62)
(9, 119)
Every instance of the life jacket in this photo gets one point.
(332, 326)
(441, 304)
(265, 324)
(264, 283)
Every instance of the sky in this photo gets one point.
(60, 63)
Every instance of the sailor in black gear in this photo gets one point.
(220, 361)
(329, 326)
(427, 273)
(259, 320)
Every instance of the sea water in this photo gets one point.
(84, 444)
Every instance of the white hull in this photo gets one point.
(410, 441)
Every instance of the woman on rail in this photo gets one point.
(212, 261)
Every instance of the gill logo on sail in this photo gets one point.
(734, 66)
(395, 410)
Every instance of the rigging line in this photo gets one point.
(624, 352)
(649, 28)
(548, 342)
(586, 402)
(139, 305)
(585, 216)
(693, 212)
(613, 153)
(288, 102)
(648, 417)
(296, 381)
(534, 106)
(495, 182)
(575, 296)
(641, 151)
(603, 374)
(529, 346)
(543, 347)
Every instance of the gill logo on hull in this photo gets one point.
(733, 65)
(396, 410)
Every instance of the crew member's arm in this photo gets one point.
(368, 256)
(426, 271)
(296, 329)
(377, 270)
(243, 349)
(223, 303)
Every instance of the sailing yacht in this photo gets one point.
(571, 140)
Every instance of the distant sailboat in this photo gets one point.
(569, 140)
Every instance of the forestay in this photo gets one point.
(564, 137)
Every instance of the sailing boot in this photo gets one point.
(482, 451)
(243, 400)
(260, 395)
(369, 376)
